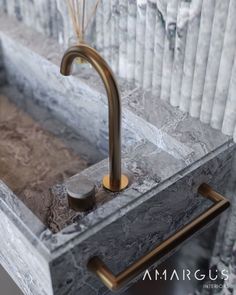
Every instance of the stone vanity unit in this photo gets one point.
(45, 246)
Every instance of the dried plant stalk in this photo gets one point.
(74, 15)
(77, 14)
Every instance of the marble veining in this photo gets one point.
(179, 50)
(149, 44)
(114, 22)
(205, 32)
(140, 46)
(123, 4)
(131, 35)
(230, 108)
(158, 52)
(169, 45)
(225, 70)
(213, 63)
(166, 152)
(177, 71)
(190, 54)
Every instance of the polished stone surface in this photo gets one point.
(166, 153)
(207, 16)
(33, 160)
(191, 46)
(181, 50)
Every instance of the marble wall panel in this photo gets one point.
(169, 46)
(179, 53)
(207, 15)
(158, 49)
(115, 35)
(190, 54)
(149, 44)
(146, 43)
(106, 17)
(123, 26)
(229, 121)
(225, 70)
(48, 87)
(213, 63)
(99, 28)
(131, 37)
(140, 41)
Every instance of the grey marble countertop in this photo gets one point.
(166, 145)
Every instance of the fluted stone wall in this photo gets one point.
(49, 17)
(181, 50)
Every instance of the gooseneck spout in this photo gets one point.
(115, 181)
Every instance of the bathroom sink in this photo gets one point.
(37, 156)
(54, 128)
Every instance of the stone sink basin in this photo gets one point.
(37, 155)
(53, 128)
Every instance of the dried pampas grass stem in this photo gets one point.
(80, 22)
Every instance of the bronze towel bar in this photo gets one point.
(117, 282)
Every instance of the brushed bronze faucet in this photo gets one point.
(115, 181)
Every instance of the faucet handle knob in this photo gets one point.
(81, 193)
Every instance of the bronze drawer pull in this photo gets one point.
(116, 282)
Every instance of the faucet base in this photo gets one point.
(124, 182)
